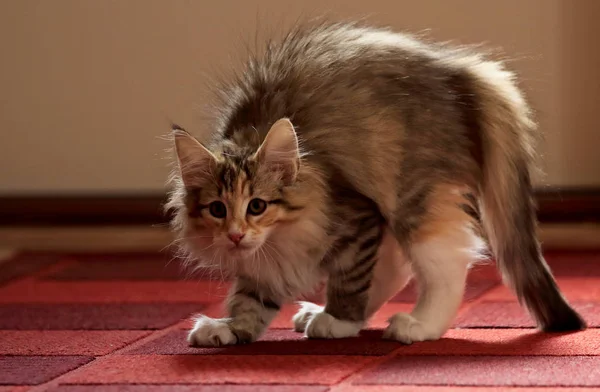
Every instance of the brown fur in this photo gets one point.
(388, 132)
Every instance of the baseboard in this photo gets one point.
(554, 206)
(146, 209)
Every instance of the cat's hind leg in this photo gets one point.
(441, 250)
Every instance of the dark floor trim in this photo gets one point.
(554, 205)
(82, 210)
(568, 204)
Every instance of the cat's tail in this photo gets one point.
(507, 134)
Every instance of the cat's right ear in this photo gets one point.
(280, 151)
(195, 161)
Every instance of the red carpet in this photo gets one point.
(117, 322)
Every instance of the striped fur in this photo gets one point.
(378, 156)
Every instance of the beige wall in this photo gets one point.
(87, 86)
(579, 93)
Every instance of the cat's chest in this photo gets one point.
(286, 273)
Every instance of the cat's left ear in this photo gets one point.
(280, 150)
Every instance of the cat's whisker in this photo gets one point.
(184, 239)
(256, 260)
(221, 267)
(269, 256)
(272, 246)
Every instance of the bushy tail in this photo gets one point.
(508, 209)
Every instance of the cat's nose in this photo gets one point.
(236, 237)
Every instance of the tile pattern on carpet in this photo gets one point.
(118, 322)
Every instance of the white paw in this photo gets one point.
(211, 332)
(325, 326)
(407, 329)
(305, 313)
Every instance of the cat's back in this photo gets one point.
(329, 58)
(339, 48)
(328, 74)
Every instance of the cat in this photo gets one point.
(365, 157)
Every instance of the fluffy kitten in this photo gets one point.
(363, 156)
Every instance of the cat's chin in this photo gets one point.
(241, 252)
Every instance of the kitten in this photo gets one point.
(362, 156)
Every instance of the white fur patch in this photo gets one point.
(325, 326)
(306, 312)
(406, 329)
(211, 332)
(368, 37)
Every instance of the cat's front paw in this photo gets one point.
(407, 329)
(306, 312)
(211, 332)
(324, 326)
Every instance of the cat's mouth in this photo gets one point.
(242, 250)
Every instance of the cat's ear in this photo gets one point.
(279, 151)
(195, 160)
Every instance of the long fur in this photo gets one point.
(429, 143)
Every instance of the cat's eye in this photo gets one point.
(257, 206)
(217, 209)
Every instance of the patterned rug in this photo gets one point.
(117, 322)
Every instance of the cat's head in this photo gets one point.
(235, 195)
